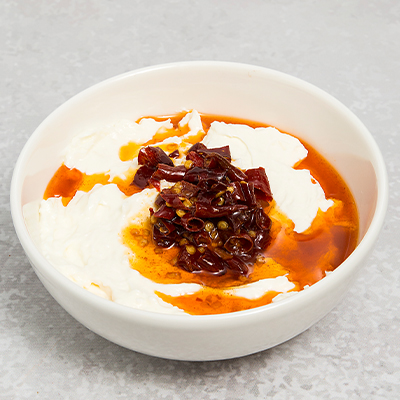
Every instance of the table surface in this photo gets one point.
(51, 50)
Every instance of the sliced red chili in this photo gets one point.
(213, 212)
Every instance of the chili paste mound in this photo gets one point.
(214, 212)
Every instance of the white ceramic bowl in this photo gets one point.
(221, 88)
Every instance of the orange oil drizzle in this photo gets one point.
(303, 257)
(67, 181)
(212, 301)
(131, 150)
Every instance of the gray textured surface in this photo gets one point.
(51, 50)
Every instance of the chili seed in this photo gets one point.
(177, 188)
(182, 242)
(188, 164)
(209, 226)
(201, 249)
(230, 189)
(180, 213)
(163, 229)
(219, 194)
(252, 234)
(222, 225)
(261, 259)
(187, 203)
(153, 219)
(221, 201)
(191, 249)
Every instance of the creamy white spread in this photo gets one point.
(297, 194)
(98, 152)
(83, 239)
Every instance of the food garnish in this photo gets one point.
(214, 212)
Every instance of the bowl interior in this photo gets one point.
(228, 89)
(218, 88)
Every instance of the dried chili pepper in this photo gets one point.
(213, 212)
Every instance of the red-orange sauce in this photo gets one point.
(303, 257)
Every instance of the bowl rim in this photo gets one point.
(362, 249)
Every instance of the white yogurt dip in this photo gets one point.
(296, 193)
(83, 240)
(98, 152)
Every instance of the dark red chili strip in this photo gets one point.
(170, 174)
(213, 212)
(152, 156)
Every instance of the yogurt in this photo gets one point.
(297, 194)
(83, 239)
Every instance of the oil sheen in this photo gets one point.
(304, 258)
